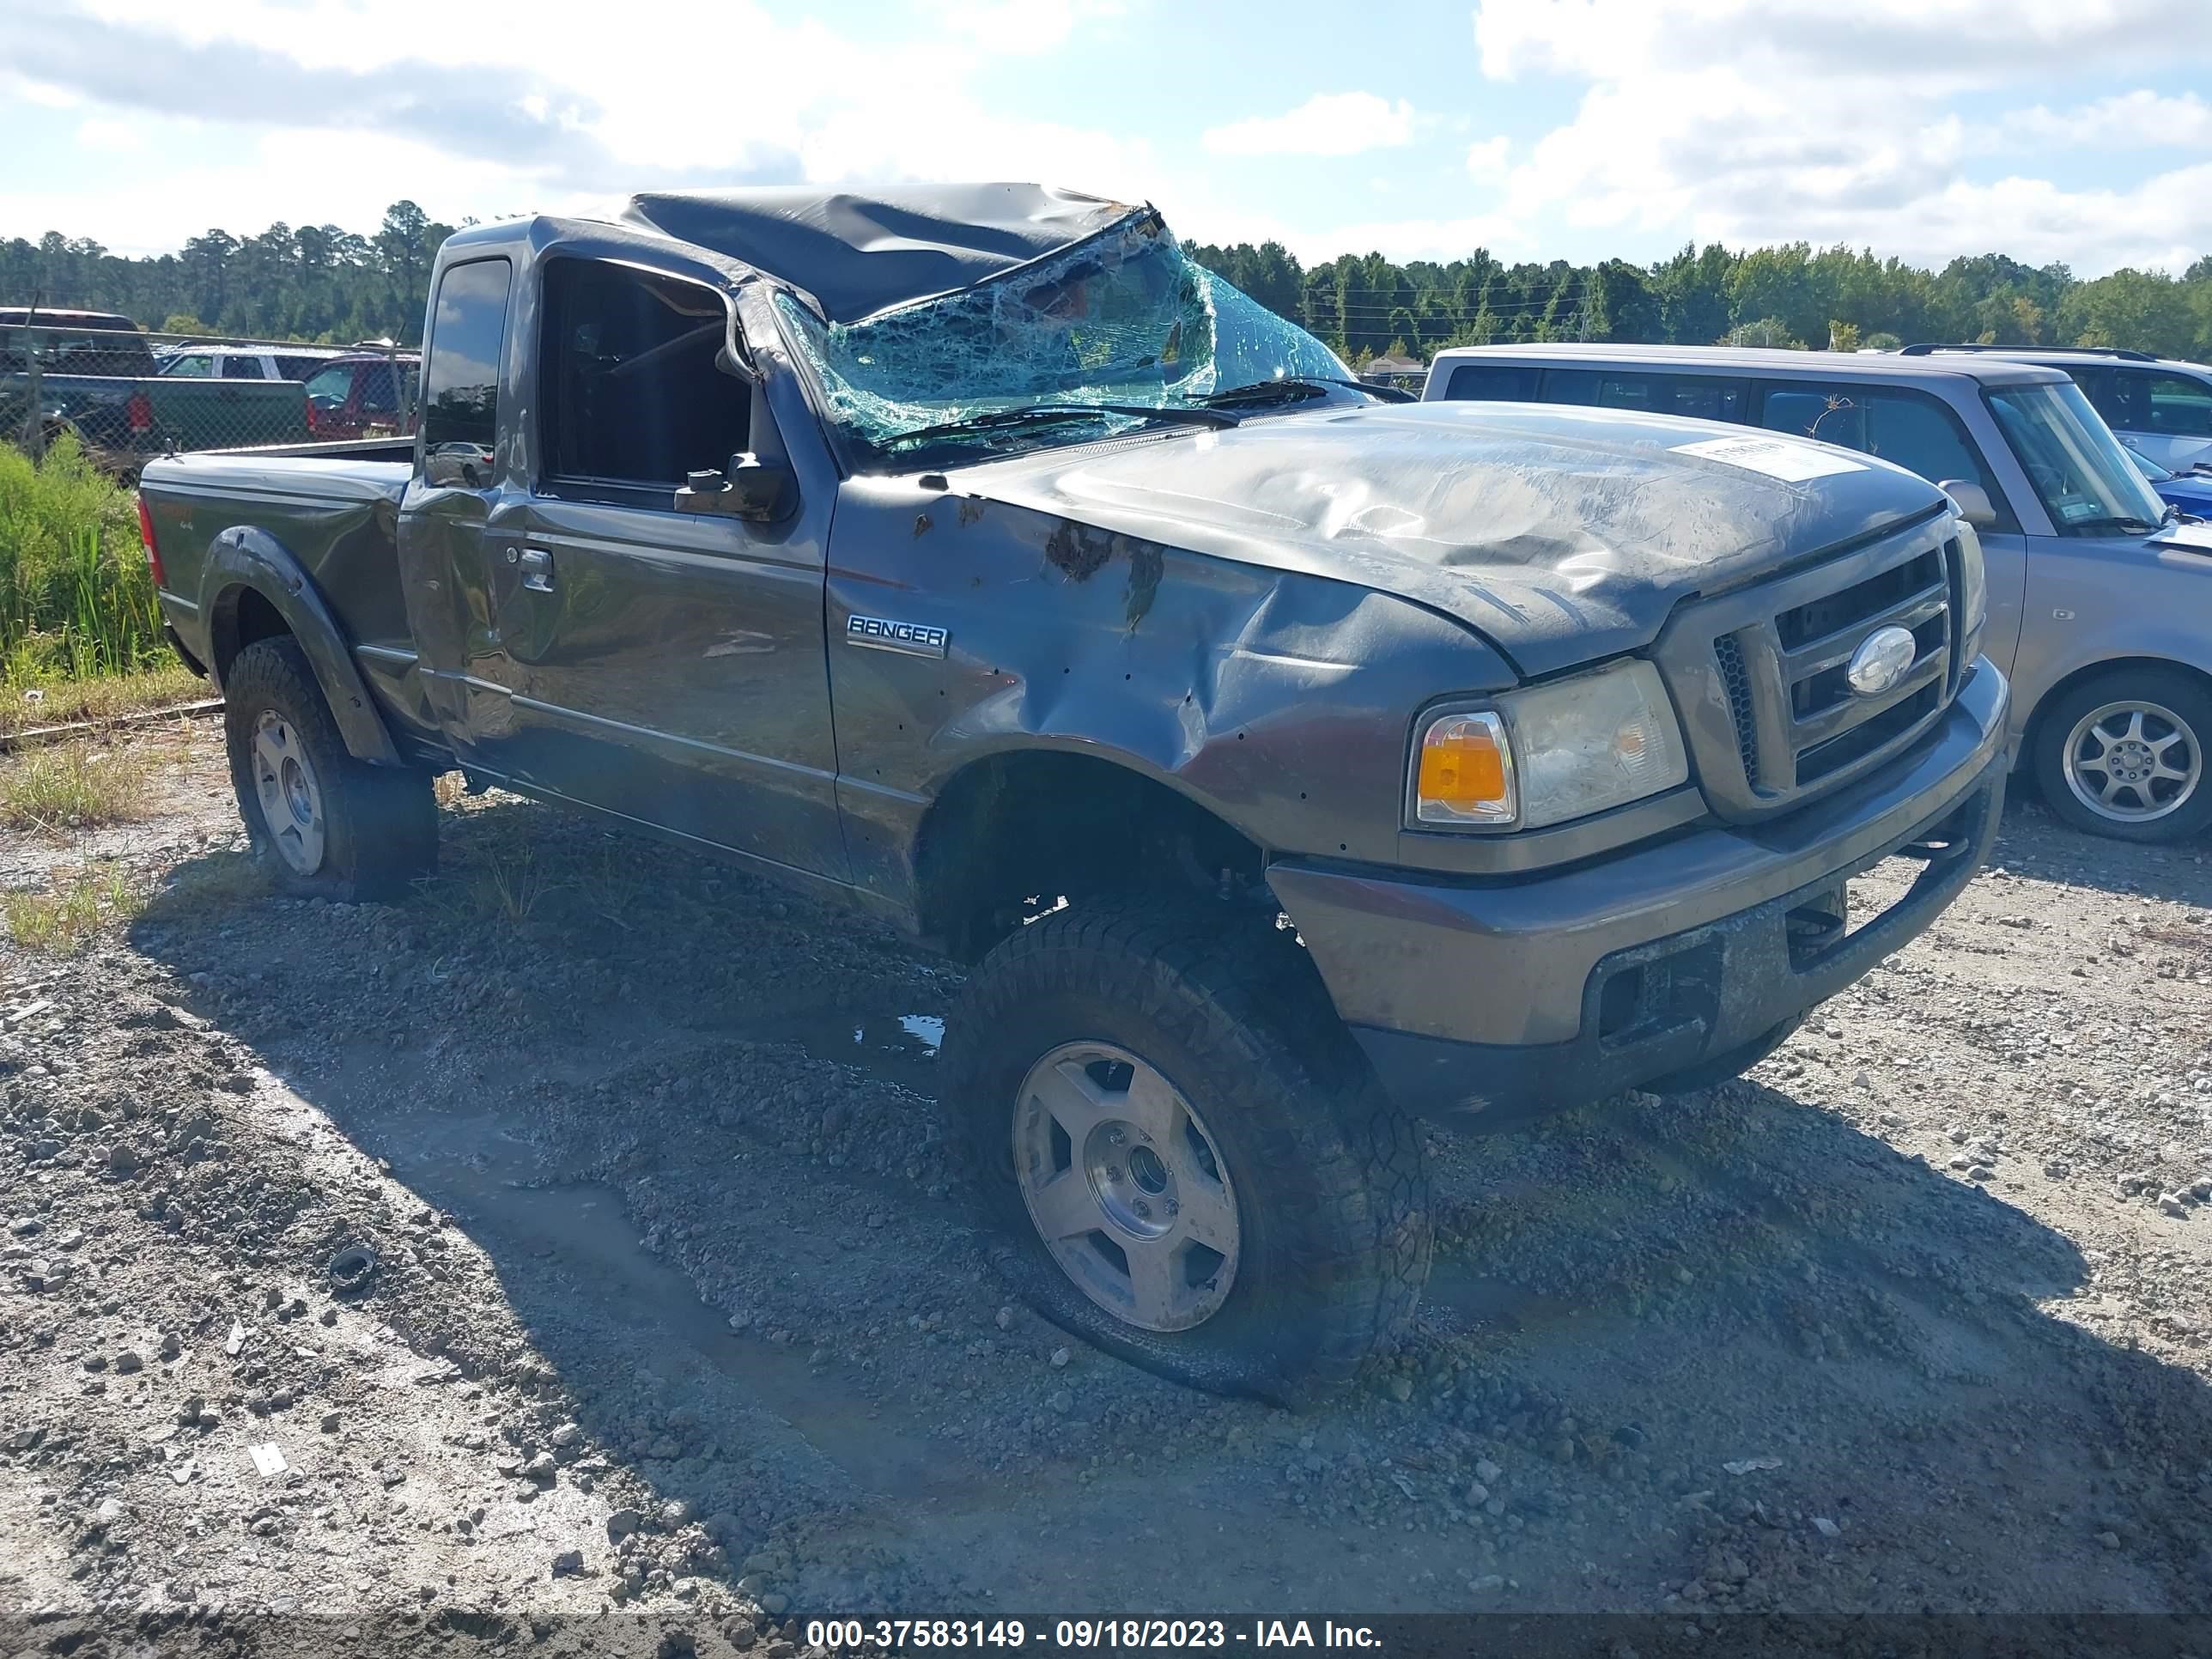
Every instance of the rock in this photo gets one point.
(566, 1435)
(1477, 1495)
(1060, 1358)
(568, 1564)
(127, 1362)
(623, 1522)
(541, 1468)
(1487, 1472)
(330, 1423)
(26, 1226)
(2172, 1204)
(1062, 1402)
(1006, 1319)
(1824, 1527)
(2111, 1540)
(773, 1603)
(1401, 1389)
(675, 1513)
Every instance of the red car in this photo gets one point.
(369, 395)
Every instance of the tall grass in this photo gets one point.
(77, 601)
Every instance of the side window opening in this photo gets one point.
(2179, 406)
(241, 366)
(1492, 383)
(629, 385)
(1914, 431)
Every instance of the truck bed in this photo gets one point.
(333, 509)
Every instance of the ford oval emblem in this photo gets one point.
(1883, 659)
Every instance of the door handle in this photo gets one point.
(536, 569)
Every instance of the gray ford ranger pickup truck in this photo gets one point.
(1288, 760)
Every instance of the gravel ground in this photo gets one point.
(669, 1307)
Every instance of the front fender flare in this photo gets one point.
(248, 560)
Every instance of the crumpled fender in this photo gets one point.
(243, 559)
(1279, 701)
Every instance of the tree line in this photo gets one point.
(319, 283)
(306, 282)
(1793, 294)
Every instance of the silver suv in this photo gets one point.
(2101, 596)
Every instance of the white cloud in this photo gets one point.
(39, 92)
(1328, 124)
(100, 132)
(1485, 160)
(2141, 118)
(1749, 121)
(1023, 27)
(571, 109)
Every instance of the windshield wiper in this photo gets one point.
(2118, 521)
(998, 420)
(1297, 387)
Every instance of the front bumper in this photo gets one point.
(1504, 998)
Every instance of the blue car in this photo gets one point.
(2191, 491)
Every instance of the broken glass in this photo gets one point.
(1124, 317)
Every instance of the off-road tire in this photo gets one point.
(381, 822)
(2175, 689)
(1330, 1179)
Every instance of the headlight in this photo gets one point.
(1973, 592)
(1549, 753)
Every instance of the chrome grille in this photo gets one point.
(1760, 675)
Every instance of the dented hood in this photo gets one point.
(1563, 536)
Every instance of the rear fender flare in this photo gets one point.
(246, 559)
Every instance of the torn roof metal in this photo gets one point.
(856, 253)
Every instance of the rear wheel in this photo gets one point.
(327, 825)
(1159, 1108)
(2123, 754)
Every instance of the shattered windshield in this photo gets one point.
(1123, 318)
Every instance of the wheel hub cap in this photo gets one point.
(1126, 1187)
(2133, 761)
(291, 798)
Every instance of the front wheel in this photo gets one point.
(1159, 1106)
(327, 825)
(2123, 754)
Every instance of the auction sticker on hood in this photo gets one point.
(1791, 462)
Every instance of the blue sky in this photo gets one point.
(2066, 129)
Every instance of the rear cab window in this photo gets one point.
(460, 373)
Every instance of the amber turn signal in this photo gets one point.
(1466, 772)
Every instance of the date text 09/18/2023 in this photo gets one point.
(904, 1635)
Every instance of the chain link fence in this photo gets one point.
(126, 395)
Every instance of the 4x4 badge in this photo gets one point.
(878, 634)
